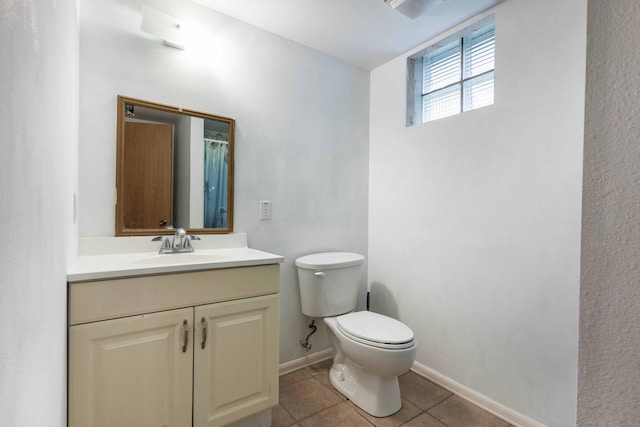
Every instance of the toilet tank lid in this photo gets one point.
(328, 260)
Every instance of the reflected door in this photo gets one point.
(147, 185)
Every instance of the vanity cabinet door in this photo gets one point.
(132, 372)
(236, 373)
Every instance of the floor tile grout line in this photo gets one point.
(317, 377)
(442, 401)
(432, 406)
(289, 413)
(332, 389)
(358, 414)
(317, 412)
(324, 409)
(433, 416)
(412, 418)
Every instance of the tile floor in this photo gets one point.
(307, 399)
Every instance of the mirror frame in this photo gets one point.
(120, 227)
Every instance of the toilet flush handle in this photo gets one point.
(319, 273)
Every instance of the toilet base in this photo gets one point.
(375, 394)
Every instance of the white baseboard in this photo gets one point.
(489, 405)
(305, 361)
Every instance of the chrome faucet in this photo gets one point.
(178, 244)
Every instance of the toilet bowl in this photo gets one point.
(367, 372)
(370, 350)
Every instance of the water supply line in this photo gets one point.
(305, 343)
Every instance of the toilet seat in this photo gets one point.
(375, 330)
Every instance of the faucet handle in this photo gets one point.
(192, 237)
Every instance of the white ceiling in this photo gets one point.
(366, 33)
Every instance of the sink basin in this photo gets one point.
(176, 259)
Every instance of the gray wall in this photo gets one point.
(474, 219)
(38, 83)
(301, 130)
(609, 362)
(38, 149)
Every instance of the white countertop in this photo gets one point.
(97, 263)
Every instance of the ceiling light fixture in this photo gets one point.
(413, 8)
(163, 26)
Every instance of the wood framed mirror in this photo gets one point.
(174, 168)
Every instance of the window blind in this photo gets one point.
(459, 75)
(442, 67)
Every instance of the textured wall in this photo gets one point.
(609, 361)
(474, 220)
(38, 150)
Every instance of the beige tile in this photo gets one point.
(420, 391)
(306, 397)
(457, 412)
(320, 371)
(405, 413)
(424, 420)
(280, 417)
(323, 378)
(341, 415)
(325, 365)
(295, 376)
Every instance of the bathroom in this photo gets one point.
(473, 226)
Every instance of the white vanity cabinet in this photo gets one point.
(236, 374)
(175, 350)
(131, 371)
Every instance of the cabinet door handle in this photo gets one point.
(203, 324)
(185, 331)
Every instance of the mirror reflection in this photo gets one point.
(174, 169)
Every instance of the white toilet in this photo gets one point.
(370, 350)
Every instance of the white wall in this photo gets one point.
(196, 174)
(301, 130)
(38, 118)
(609, 362)
(182, 169)
(474, 220)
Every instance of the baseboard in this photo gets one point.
(304, 361)
(499, 410)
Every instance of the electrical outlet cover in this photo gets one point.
(265, 210)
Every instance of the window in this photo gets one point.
(452, 76)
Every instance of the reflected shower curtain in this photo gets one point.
(216, 156)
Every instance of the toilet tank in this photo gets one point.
(329, 282)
